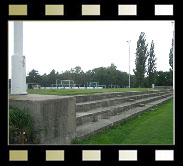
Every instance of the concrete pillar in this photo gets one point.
(18, 79)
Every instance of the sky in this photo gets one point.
(62, 45)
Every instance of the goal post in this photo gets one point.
(65, 83)
(94, 84)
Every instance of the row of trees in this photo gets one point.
(145, 72)
(103, 75)
(145, 62)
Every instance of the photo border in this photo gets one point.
(73, 153)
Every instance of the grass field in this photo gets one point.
(80, 91)
(152, 127)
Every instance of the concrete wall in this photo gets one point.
(54, 116)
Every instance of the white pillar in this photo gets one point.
(18, 79)
(129, 62)
(173, 55)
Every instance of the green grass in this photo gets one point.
(152, 127)
(81, 91)
(20, 124)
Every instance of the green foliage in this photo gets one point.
(146, 74)
(103, 75)
(34, 77)
(75, 141)
(20, 122)
(151, 67)
(140, 61)
(164, 78)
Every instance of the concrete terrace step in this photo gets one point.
(100, 96)
(89, 129)
(85, 106)
(106, 112)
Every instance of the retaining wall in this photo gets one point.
(54, 116)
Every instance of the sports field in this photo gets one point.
(81, 91)
(152, 127)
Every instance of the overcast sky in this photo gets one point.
(62, 45)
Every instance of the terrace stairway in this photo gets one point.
(96, 112)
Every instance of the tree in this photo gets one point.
(34, 77)
(171, 61)
(111, 74)
(77, 75)
(51, 78)
(100, 75)
(164, 78)
(151, 67)
(140, 61)
(77, 70)
(89, 76)
(171, 57)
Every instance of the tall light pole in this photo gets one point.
(129, 60)
(173, 28)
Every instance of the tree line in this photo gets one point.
(145, 72)
(103, 75)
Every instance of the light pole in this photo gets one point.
(173, 27)
(129, 60)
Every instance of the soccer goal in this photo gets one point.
(94, 84)
(65, 83)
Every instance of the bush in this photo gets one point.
(21, 127)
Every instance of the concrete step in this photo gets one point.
(141, 105)
(100, 96)
(92, 128)
(85, 106)
(106, 112)
(130, 100)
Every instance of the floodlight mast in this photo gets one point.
(18, 79)
(128, 41)
(173, 29)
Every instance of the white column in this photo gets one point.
(129, 61)
(18, 79)
(173, 55)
